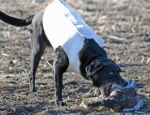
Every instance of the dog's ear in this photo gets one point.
(92, 69)
(95, 66)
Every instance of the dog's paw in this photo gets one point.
(60, 103)
(32, 89)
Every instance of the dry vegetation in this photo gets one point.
(123, 24)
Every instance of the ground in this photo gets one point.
(123, 24)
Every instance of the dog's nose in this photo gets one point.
(125, 83)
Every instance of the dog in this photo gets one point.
(77, 47)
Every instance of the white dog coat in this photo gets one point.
(64, 27)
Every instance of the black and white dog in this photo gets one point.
(77, 47)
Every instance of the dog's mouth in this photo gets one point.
(107, 91)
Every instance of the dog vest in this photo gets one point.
(66, 28)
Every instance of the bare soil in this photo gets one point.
(123, 24)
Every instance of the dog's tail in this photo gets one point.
(15, 21)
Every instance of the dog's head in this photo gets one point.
(105, 73)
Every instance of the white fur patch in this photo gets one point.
(64, 27)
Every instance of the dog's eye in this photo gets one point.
(111, 73)
(118, 71)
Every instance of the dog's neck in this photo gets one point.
(88, 62)
(90, 52)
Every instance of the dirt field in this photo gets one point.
(123, 24)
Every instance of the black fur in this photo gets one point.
(16, 22)
(89, 51)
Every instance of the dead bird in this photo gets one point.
(121, 99)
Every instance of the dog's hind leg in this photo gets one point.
(39, 42)
(37, 50)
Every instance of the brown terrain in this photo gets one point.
(123, 24)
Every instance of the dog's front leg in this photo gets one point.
(60, 65)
